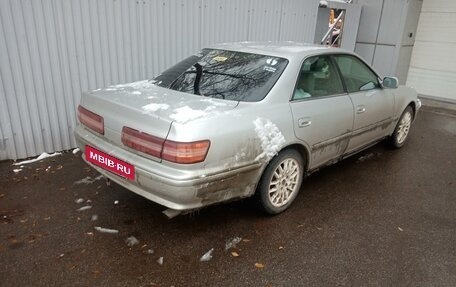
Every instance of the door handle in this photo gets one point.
(360, 109)
(304, 122)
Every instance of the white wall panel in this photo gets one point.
(265, 19)
(383, 60)
(433, 65)
(298, 20)
(438, 84)
(366, 51)
(224, 21)
(442, 6)
(435, 56)
(53, 50)
(435, 27)
(370, 19)
(390, 21)
(405, 54)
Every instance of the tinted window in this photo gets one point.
(357, 76)
(318, 78)
(224, 74)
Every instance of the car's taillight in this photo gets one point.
(186, 153)
(91, 120)
(142, 142)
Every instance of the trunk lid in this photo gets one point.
(148, 108)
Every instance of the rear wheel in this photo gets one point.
(402, 129)
(281, 181)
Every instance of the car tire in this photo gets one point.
(401, 132)
(281, 181)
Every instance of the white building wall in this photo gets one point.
(433, 66)
(52, 50)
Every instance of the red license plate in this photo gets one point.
(110, 163)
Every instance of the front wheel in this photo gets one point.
(281, 181)
(402, 129)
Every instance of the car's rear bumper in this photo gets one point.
(172, 187)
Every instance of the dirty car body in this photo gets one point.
(206, 130)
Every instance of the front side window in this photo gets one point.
(356, 74)
(224, 74)
(318, 78)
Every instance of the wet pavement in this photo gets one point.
(381, 218)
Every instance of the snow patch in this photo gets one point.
(106, 230)
(79, 200)
(17, 170)
(232, 243)
(88, 180)
(136, 93)
(155, 107)
(94, 217)
(207, 256)
(149, 251)
(185, 114)
(87, 207)
(145, 84)
(214, 102)
(76, 150)
(270, 136)
(160, 261)
(42, 156)
(131, 241)
(366, 157)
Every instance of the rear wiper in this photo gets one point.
(199, 74)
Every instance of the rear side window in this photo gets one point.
(224, 74)
(357, 75)
(318, 78)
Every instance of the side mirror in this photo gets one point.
(390, 82)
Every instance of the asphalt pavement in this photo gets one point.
(381, 218)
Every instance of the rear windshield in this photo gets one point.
(224, 74)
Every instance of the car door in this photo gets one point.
(322, 111)
(373, 105)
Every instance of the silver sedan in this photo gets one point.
(241, 120)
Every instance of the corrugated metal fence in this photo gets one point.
(52, 50)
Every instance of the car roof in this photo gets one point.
(286, 49)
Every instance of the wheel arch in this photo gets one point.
(303, 151)
(413, 105)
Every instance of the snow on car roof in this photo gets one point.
(286, 49)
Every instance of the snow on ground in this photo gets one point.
(232, 243)
(41, 157)
(160, 261)
(131, 241)
(17, 170)
(79, 200)
(76, 150)
(106, 230)
(365, 157)
(270, 136)
(207, 256)
(88, 180)
(94, 217)
(149, 251)
(87, 207)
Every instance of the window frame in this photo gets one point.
(338, 73)
(267, 91)
(379, 79)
